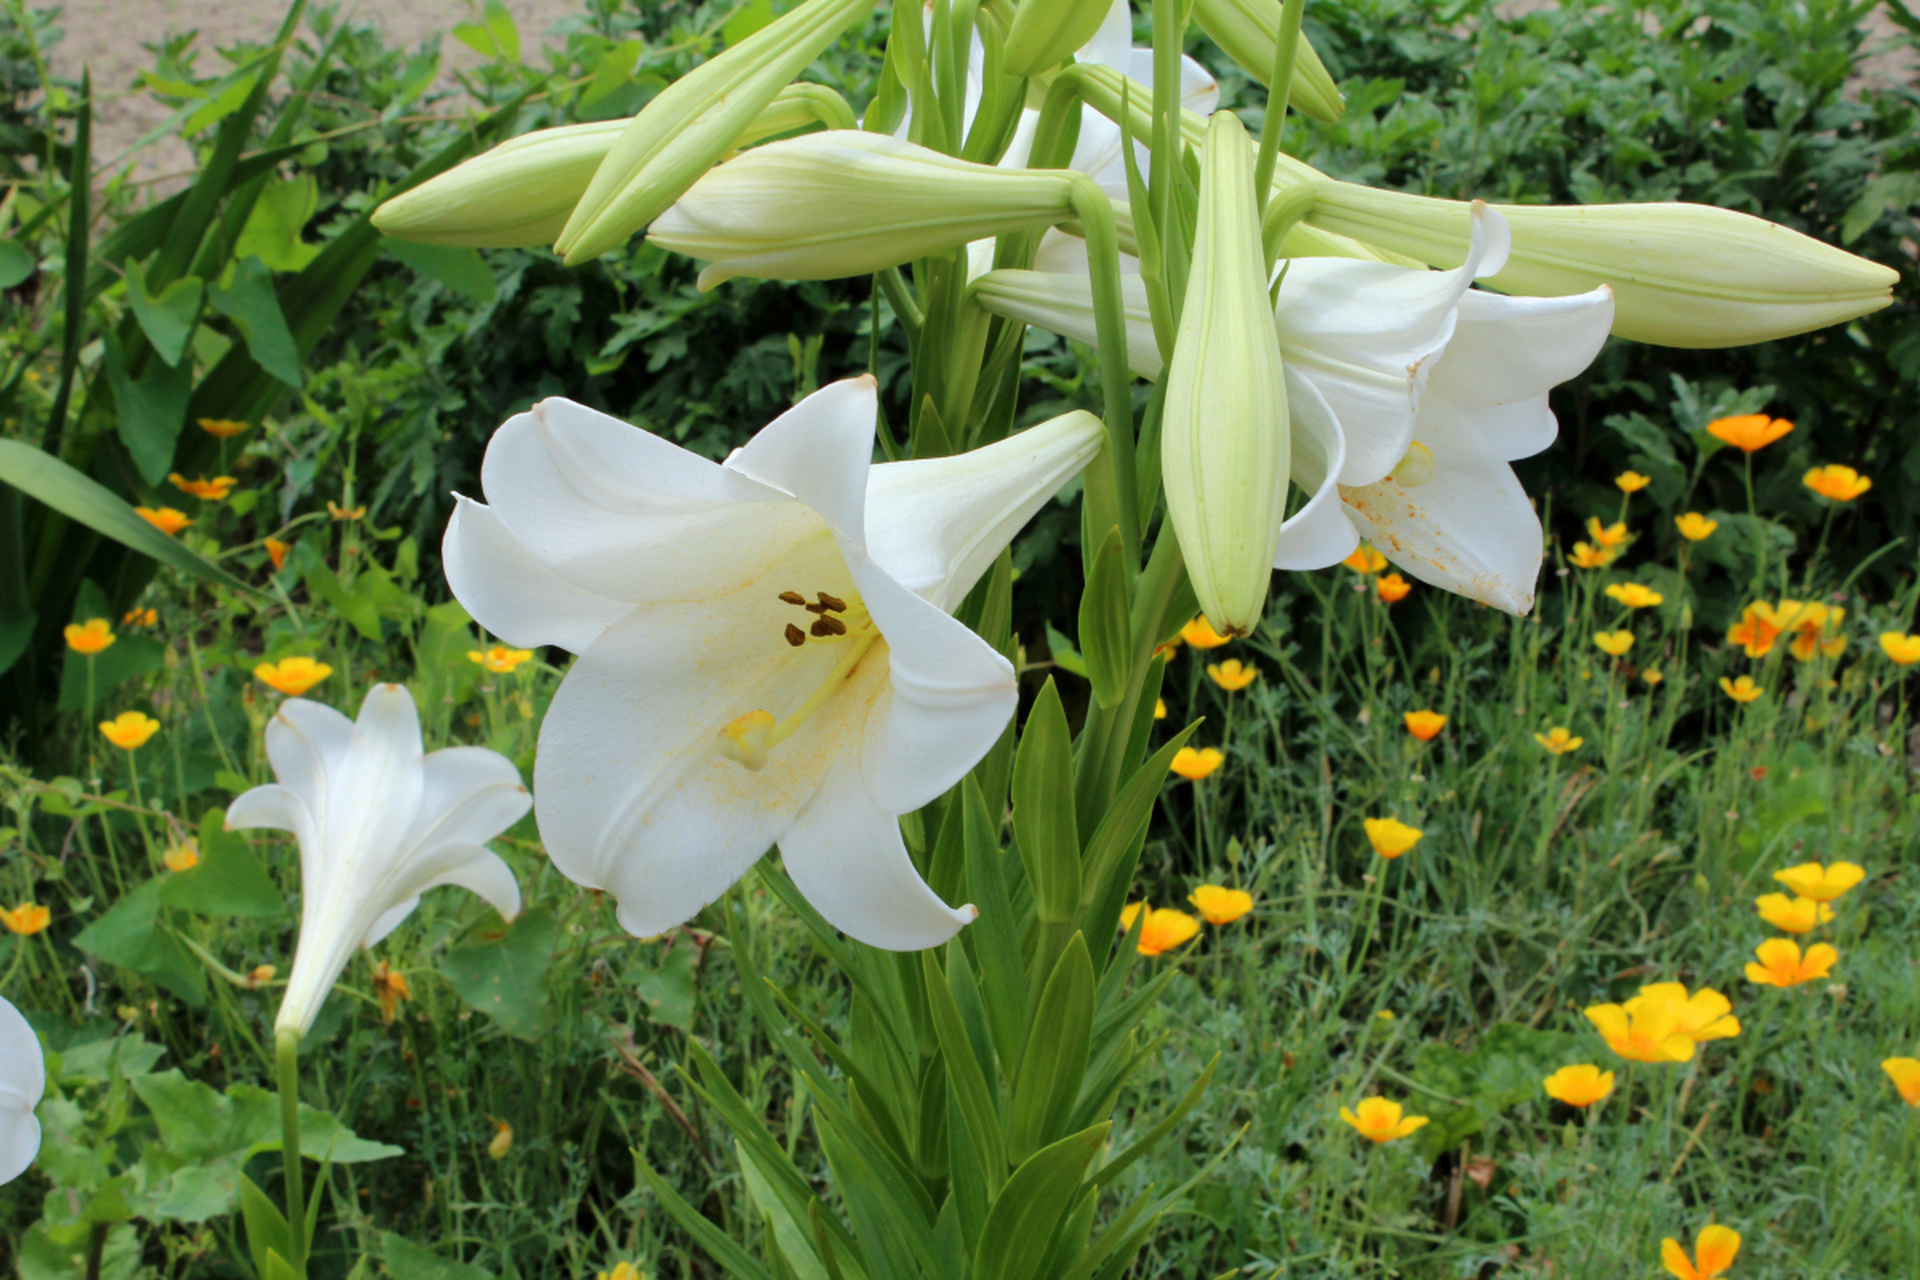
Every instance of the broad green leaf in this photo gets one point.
(1105, 625)
(130, 935)
(42, 476)
(98, 1061)
(670, 990)
(1030, 1207)
(1044, 823)
(51, 1254)
(169, 318)
(462, 270)
(1065, 656)
(1055, 1062)
(272, 231)
(249, 300)
(150, 409)
(356, 607)
(504, 974)
(494, 36)
(409, 1261)
(128, 658)
(16, 263)
(227, 881)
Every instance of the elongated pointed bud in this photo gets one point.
(520, 193)
(1683, 275)
(1248, 32)
(1047, 32)
(693, 122)
(1225, 440)
(847, 203)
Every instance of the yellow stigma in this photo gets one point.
(745, 739)
(749, 739)
(1416, 468)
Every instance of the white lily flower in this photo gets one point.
(379, 823)
(766, 653)
(1420, 375)
(23, 1079)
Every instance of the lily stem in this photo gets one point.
(1278, 89)
(286, 1046)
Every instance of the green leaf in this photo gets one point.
(971, 1089)
(128, 658)
(1065, 656)
(1504, 1070)
(671, 990)
(250, 302)
(227, 881)
(357, 608)
(150, 409)
(130, 935)
(267, 1231)
(795, 1237)
(1021, 1224)
(1044, 822)
(16, 263)
(736, 1261)
(1105, 625)
(996, 934)
(409, 1261)
(169, 319)
(494, 36)
(462, 270)
(41, 475)
(1114, 847)
(272, 231)
(1055, 1062)
(746, 20)
(505, 975)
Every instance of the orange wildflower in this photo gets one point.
(89, 637)
(130, 729)
(1220, 905)
(1695, 527)
(277, 552)
(1783, 965)
(1194, 765)
(166, 519)
(1381, 1121)
(1748, 432)
(1642, 1031)
(391, 986)
(26, 919)
(1591, 557)
(1580, 1085)
(1200, 634)
(1391, 588)
(1608, 537)
(1792, 915)
(222, 428)
(1365, 560)
(1713, 1253)
(1835, 482)
(1822, 884)
(1756, 630)
(1901, 647)
(214, 490)
(1425, 725)
(1905, 1074)
(1232, 675)
(292, 676)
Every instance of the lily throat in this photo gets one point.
(749, 739)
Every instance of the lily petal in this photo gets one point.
(1507, 353)
(23, 1081)
(306, 741)
(511, 592)
(819, 452)
(1319, 533)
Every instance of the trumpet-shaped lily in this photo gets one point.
(766, 650)
(1409, 393)
(23, 1078)
(379, 822)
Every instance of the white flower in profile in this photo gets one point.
(23, 1079)
(766, 650)
(379, 822)
(1409, 393)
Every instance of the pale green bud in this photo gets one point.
(848, 203)
(518, 194)
(1248, 31)
(1224, 434)
(1683, 275)
(693, 122)
(1047, 32)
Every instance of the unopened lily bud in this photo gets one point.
(520, 193)
(693, 122)
(847, 203)
(1248, 31)
(1683, 275)
(1047, 32)
(1225, 442)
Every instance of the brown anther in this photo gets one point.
(826, 626)
(819, 610)
(793, 597)
(795, 636)
(832, 602)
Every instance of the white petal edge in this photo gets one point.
(1507, 353)
(510, 592)
(23, 1082)
(1319, 533)
(819, 452)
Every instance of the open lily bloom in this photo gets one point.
(1422, 390)
(379, 822)
(766, 652)
(23, 1079)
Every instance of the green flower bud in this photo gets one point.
(1047, 32)
(1248, 31)
(520, 193)
(1683, 275)
(846, 203)
(1225, 439)
(693, 122)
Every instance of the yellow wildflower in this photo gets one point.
(1631, 481)
(292, 676)
(89, 637)
(1748, 432)
(1741, 690)
(1713, 1253)
(1390, 837)
(1232, 675)
(1558, 740)
(1580, 1085)
(1633, 595)
(1797, 914)
(1695, 527)
(1381, 1121)
(500, 660)
(26, 919)
(1201, 635)
(1194, 765)
(1614, 643)
(130, 729)
(1783, 965)
(166, 519)
(1902, 648)
(1838, 483)
(1219, 905)
(1822, 884)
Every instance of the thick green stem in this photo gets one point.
(286, 1047)
(1110, 486)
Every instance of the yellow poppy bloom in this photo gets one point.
(502, 1140)
(1652, 675)
(184, 856)
(222, 428)
(1390, 837)
(1642, 1032)
(89, 637)
(1902, 648)
(1159, 708)
(1792, 915)
(1783, 965)
(1756, 630)
(1425, 725)
(166, 519)
(1633, 595)
(138, 617)
(130, 729)
(1822, 884)
(1391, 588)
(1201, 635)
(1219, 905)
(1378, 1120)
(500, 660)
(1713, 1253)
(1614, 643)
(1194, 765)
(1232, 675)
(1814, 627)
(1905, 1074)
(1631, 481)
(1164, 930)
(1841, 484)
(1741, 690)
(276, 552)
(1748, 432)
(1365, 560)
(214, 490)
(292, 676)
(1586, 556)
(1580, 1085)
(26, 919)
(1705, 1015)
(1607, 536)
(1695, 527)
(622, 1271)
(1558, 740)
